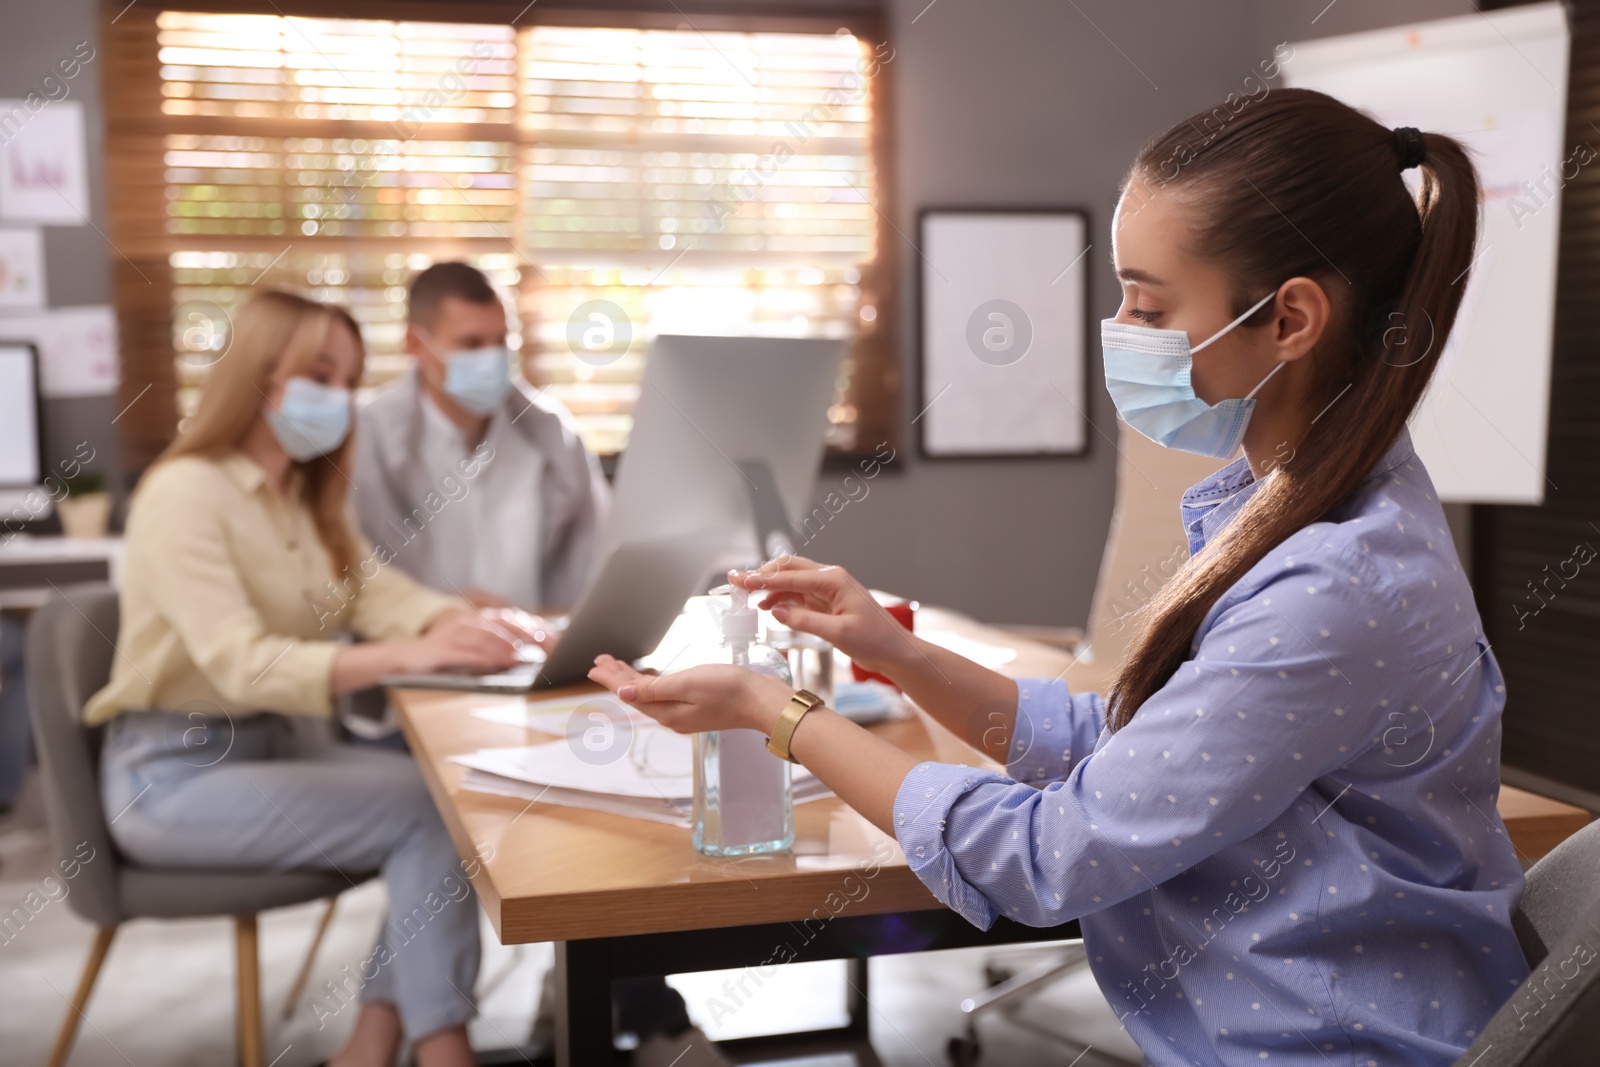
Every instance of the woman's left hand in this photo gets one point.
(713, 697)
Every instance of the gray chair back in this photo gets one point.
(71, 642)
(1553, 1019)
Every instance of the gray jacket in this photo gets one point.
(391, 483)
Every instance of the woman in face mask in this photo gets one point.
(243, 571)
(1278, 828)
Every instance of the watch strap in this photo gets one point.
(799, 704)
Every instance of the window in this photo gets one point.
(616, 181)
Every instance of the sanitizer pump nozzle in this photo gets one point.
(742, 799)
(740, 624)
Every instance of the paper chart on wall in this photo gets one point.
(21, 269)
(77, 348)
(44, 173)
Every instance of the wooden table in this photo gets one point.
(1537, 824)
(627, 898)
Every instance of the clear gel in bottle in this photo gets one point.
(742, 800)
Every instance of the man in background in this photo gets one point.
(480, 484)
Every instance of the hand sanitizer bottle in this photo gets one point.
(742, 800)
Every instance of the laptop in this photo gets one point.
(638, 590)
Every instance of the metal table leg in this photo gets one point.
(583, 1004)
(856, 999)
(585, 970)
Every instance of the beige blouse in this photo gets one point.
(228, 599)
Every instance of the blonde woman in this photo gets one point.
(243, 569)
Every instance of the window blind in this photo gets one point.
(618, 182)
(691, 183)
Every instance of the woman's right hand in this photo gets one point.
(826, 601)
(461, 640)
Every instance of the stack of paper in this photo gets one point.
(563, 715)
(647, 772)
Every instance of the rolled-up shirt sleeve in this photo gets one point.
(1286, 685)
(1054, 729)
(928, 798)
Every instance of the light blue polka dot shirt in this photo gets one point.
(1292, 854)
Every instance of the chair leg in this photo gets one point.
(248, 1017)
(311, 957)
(80, 998)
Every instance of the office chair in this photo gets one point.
(1553, 1019)
(1144, 547)
(71, 641)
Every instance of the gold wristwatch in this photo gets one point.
(802, 701)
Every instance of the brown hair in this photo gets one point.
(270, 328)
(1298, 184)
(430, 288)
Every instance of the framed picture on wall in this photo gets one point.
(1003, 299)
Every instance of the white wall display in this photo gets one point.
(1004, 298)
(1497, 81)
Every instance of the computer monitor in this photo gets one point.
(711, 412)
(21, 441)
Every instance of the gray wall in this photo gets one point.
(1026, 102)
(1000, 102)
(77, 258)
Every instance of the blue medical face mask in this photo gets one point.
(1148, 374)
(311, 420)
(479, 379)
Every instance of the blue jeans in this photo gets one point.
(15, 734)
(267, 792)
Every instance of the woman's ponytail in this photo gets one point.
(1447, 207)
(1301, 185)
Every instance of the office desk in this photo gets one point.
(627, 898)
(33, 568)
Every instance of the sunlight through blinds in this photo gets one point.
(701, 183)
